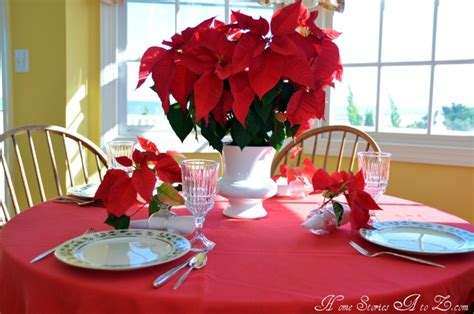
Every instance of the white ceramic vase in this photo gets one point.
(247, 180)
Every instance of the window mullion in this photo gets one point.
(227, 11)
(433, 57)
(379, 68)
(176, 11)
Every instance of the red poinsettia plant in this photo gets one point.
(256, 81)
(122, 193)
(352, 187)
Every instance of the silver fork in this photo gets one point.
(411, 258)
(46, 253)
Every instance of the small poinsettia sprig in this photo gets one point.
(122, 192)
(303, 174)
(352, 187)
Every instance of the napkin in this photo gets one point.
(295, 189)
(323, 221)
(179, 224)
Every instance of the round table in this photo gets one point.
(270, 265)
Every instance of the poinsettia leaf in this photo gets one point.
(181, 122)
(265, 72)
(223, 107)
(278, 135)
(182, 84)
(321, 180)
(326, 64)
(259, 26)
(168, 195)
(167, 169)
(147, 62)
(243, 95)
(162, 73)
(121, 197)
(207, 93)
(121, 222)
(339, 211)
(124, 161)
(269, 97)
(240, 136)
(305, 105)
(211, 132)
(241, 57)
(147, 145)
(252, 124)
(144, 181)
(285, 20)
(154, 206)
(284, 45)
(111, 176)
(298, 70)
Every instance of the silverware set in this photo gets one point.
(197, 261)
(68, 199)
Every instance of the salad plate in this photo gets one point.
(123, 249)
(83, 190)
(420, 237)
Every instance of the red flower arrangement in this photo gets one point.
(121, 192)
(240, 80)
(352, 187)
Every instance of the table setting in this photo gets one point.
(166, 233)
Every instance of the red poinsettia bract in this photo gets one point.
(352, 187)
(120, 192)
(224, 67)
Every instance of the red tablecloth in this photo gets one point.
(270, 265)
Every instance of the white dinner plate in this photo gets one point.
(122, 249)
(83, 190)
(420, 237)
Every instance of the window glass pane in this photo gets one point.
(453, 100)
(353, 100)
(455, 30)
(359, 25)
(404, 99)
(407, 30)
(148, 24)
(143, 105)
(192, 13)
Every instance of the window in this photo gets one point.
(408, 72)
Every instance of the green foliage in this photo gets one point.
(394, 115)
(339, 211)
(458, 117)
(369, 118)
(420, 124)
(352, 112)
(261, 127)
(121, 222)
(180, 121)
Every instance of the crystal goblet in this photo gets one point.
(199, 179)
(118, 149)
(376, 169)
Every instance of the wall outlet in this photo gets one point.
(22, 60)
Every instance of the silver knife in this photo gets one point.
(46, 253)
(170, 273)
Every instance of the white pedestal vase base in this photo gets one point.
(246, 181)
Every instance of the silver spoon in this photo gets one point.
(197, 262)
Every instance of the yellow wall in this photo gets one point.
(63, 38)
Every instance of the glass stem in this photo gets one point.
(199, 221)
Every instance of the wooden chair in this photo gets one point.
(345, 139)
(29, 148)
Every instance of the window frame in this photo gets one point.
(417, 148)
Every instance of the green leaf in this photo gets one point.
(121, 222)
(154, 206)
(272, 93)
(180, 121)
(252, 123)
(240, 136)
(278, 134)
(291, 130)
(266, 106)
(168, 195)
(338, 210)
(213, 133)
